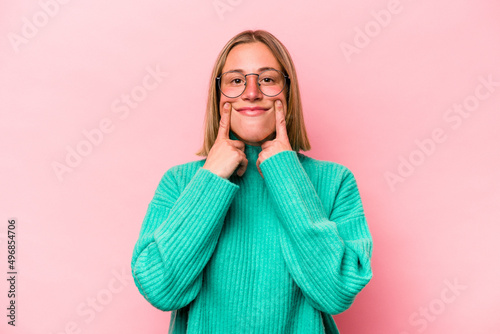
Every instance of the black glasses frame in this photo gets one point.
(287, 82)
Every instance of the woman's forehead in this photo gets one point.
(250, 58)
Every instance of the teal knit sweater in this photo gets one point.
(278, 254)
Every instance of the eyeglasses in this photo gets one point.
(271, 82)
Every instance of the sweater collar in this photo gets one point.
(252, 152)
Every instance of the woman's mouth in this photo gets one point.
(251, 111)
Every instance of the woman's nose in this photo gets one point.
(252, 91)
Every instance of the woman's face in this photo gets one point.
(252, 129)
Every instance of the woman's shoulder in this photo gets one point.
(176, 177)
(319, 166)
(328, 177)
(184, 170)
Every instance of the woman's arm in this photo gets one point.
(178, 236)
(328, 251)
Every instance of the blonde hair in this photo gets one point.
(295, 126)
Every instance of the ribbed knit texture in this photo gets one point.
(253, 255)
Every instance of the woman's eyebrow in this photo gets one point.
(259, 70)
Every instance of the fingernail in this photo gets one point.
(278, 103)
(226, 105)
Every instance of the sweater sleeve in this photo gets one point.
(178, 236)
(327, 252)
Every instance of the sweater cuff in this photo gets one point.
(205, 199)
(290, 185)
(282, 165)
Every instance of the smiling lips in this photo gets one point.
(251, 111)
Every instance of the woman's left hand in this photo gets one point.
(281, 142)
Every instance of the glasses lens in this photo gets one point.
(271, 82)
(232, 84)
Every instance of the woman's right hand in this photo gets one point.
(226, 154)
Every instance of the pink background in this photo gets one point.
(366, 108)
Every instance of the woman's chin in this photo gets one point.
(255, 138)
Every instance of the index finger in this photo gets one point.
(280, 121)
(225, 122)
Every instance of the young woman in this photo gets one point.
(257, 237)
